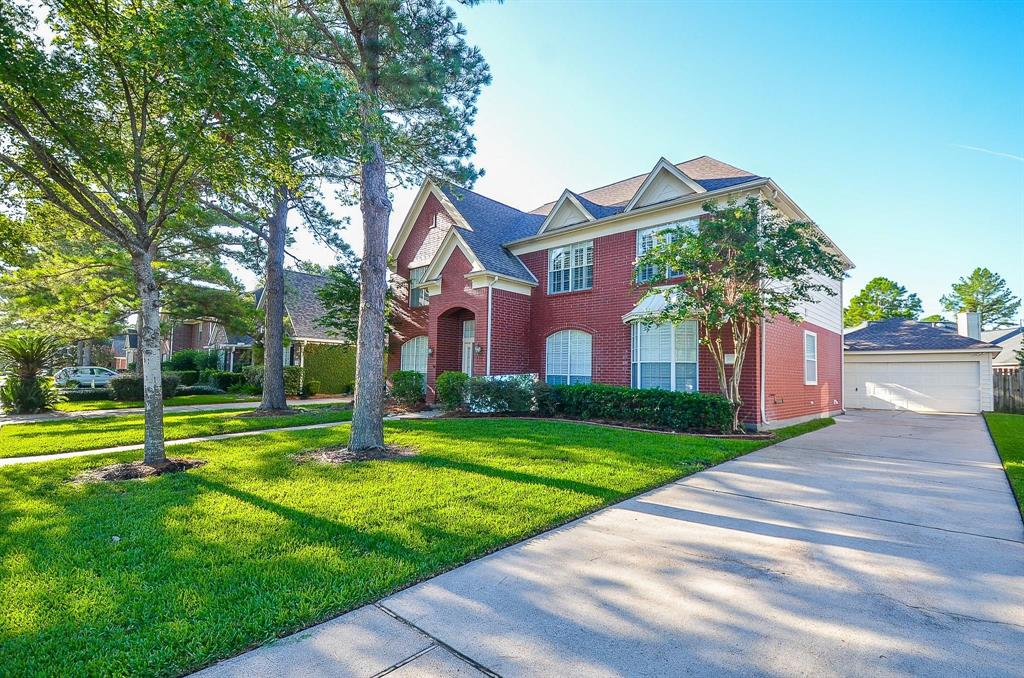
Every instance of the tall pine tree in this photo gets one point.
(986, 293)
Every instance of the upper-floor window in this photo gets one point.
(571, 267)
(646, 238)
(417, 295)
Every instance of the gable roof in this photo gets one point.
(711, 174)
(897, 334)
(493, 224)
(303, 305)
(1009, 340)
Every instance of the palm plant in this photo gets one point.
(24, 356)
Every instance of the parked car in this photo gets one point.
(85, 377)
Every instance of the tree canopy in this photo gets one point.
(986, 293)
(880, 299)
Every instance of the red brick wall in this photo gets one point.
(786, 396)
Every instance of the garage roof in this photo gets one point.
(909, 335)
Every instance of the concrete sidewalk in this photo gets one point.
(211, 407)
(886, 545)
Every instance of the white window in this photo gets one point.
(810, 358)
(665, 356)
(414, 355)
(568, 357)
(417, 295)
(646, 239)
(571, 267)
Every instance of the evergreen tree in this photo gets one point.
(985, 293)
(881, 298)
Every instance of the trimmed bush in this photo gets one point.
(185, 377)
(407, 387)
(221, 380)
(81, 395)
(191, 359)
(512, 393)
(545, 399)
(693, 412)
(333, 365)
(311, 387)
(451, 390)
(292, 380)
(252, 375)
(128, 387)
(199, 389)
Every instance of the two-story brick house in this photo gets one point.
(489, 290)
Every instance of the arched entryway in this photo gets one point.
(456, 341)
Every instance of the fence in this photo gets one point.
(1008, 389)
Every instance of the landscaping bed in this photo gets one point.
(165, 575)
(70, 435)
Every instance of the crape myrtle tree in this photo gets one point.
(986, 293)
(418, 82)
(120, 118)
(744, 262)
(880, 299)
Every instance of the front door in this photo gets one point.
(468, 334)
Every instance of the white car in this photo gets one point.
(87, 377)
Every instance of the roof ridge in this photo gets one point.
(489, 199)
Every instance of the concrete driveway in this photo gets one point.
(886, 545)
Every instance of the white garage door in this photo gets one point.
(921, 387)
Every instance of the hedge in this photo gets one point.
(129, 386)
(199, 389)
(694, 412)
(191, 360)
(253, 375)
(333, 365)
(81, 395)
(221, 380)
(512, 393)
(185, 377)
(451, 390)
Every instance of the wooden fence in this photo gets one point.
(1008, 389)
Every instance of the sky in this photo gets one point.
(899, 128)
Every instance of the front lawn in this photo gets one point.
(1008, 434)
(212, 399)
(49, 437)
(253, 546)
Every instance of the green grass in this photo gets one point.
(252, 546)
(1008, 434)
(50, 437)
(170, 402)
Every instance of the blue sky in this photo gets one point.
(898, 127)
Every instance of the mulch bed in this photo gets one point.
(135, 470)
(395, 408)
(610, 423)
(342, 455)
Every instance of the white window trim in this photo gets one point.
(658, 229)
(416, 288)
(808, 333)
(572, 247)
(568, 357)
(634, 356)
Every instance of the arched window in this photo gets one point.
(414, 355)
(568, 357)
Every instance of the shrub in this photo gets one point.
(545, 399)
(407, 387)
(221, 380)
(292, 380)
(451, 390)
(81, 395)
(129, 386)
(333, 365)
(185, 377)
(252, 375)
(696, 412)
(198, 389)
(512, 393)
(311, 387)
(28, 396)
(191, 359)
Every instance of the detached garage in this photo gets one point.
(922, 367)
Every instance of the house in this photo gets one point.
(1010, 340)
(901, 364)
(489, 289)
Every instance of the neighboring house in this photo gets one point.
(924, 367)
(1010, 340)
(492, 290)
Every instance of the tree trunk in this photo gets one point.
(368, 413)
(273, 307)
(149, 348)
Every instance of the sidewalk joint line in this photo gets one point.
(408, 660)
(469, 660)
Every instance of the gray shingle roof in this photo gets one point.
(493, 224)
(599, 211)
(909, 335)
(303, 306)
(1008, 339)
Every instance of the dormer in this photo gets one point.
(664, 183)
(568, 211)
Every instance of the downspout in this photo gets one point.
(490, 298)
(842, 352)
(764, 364)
